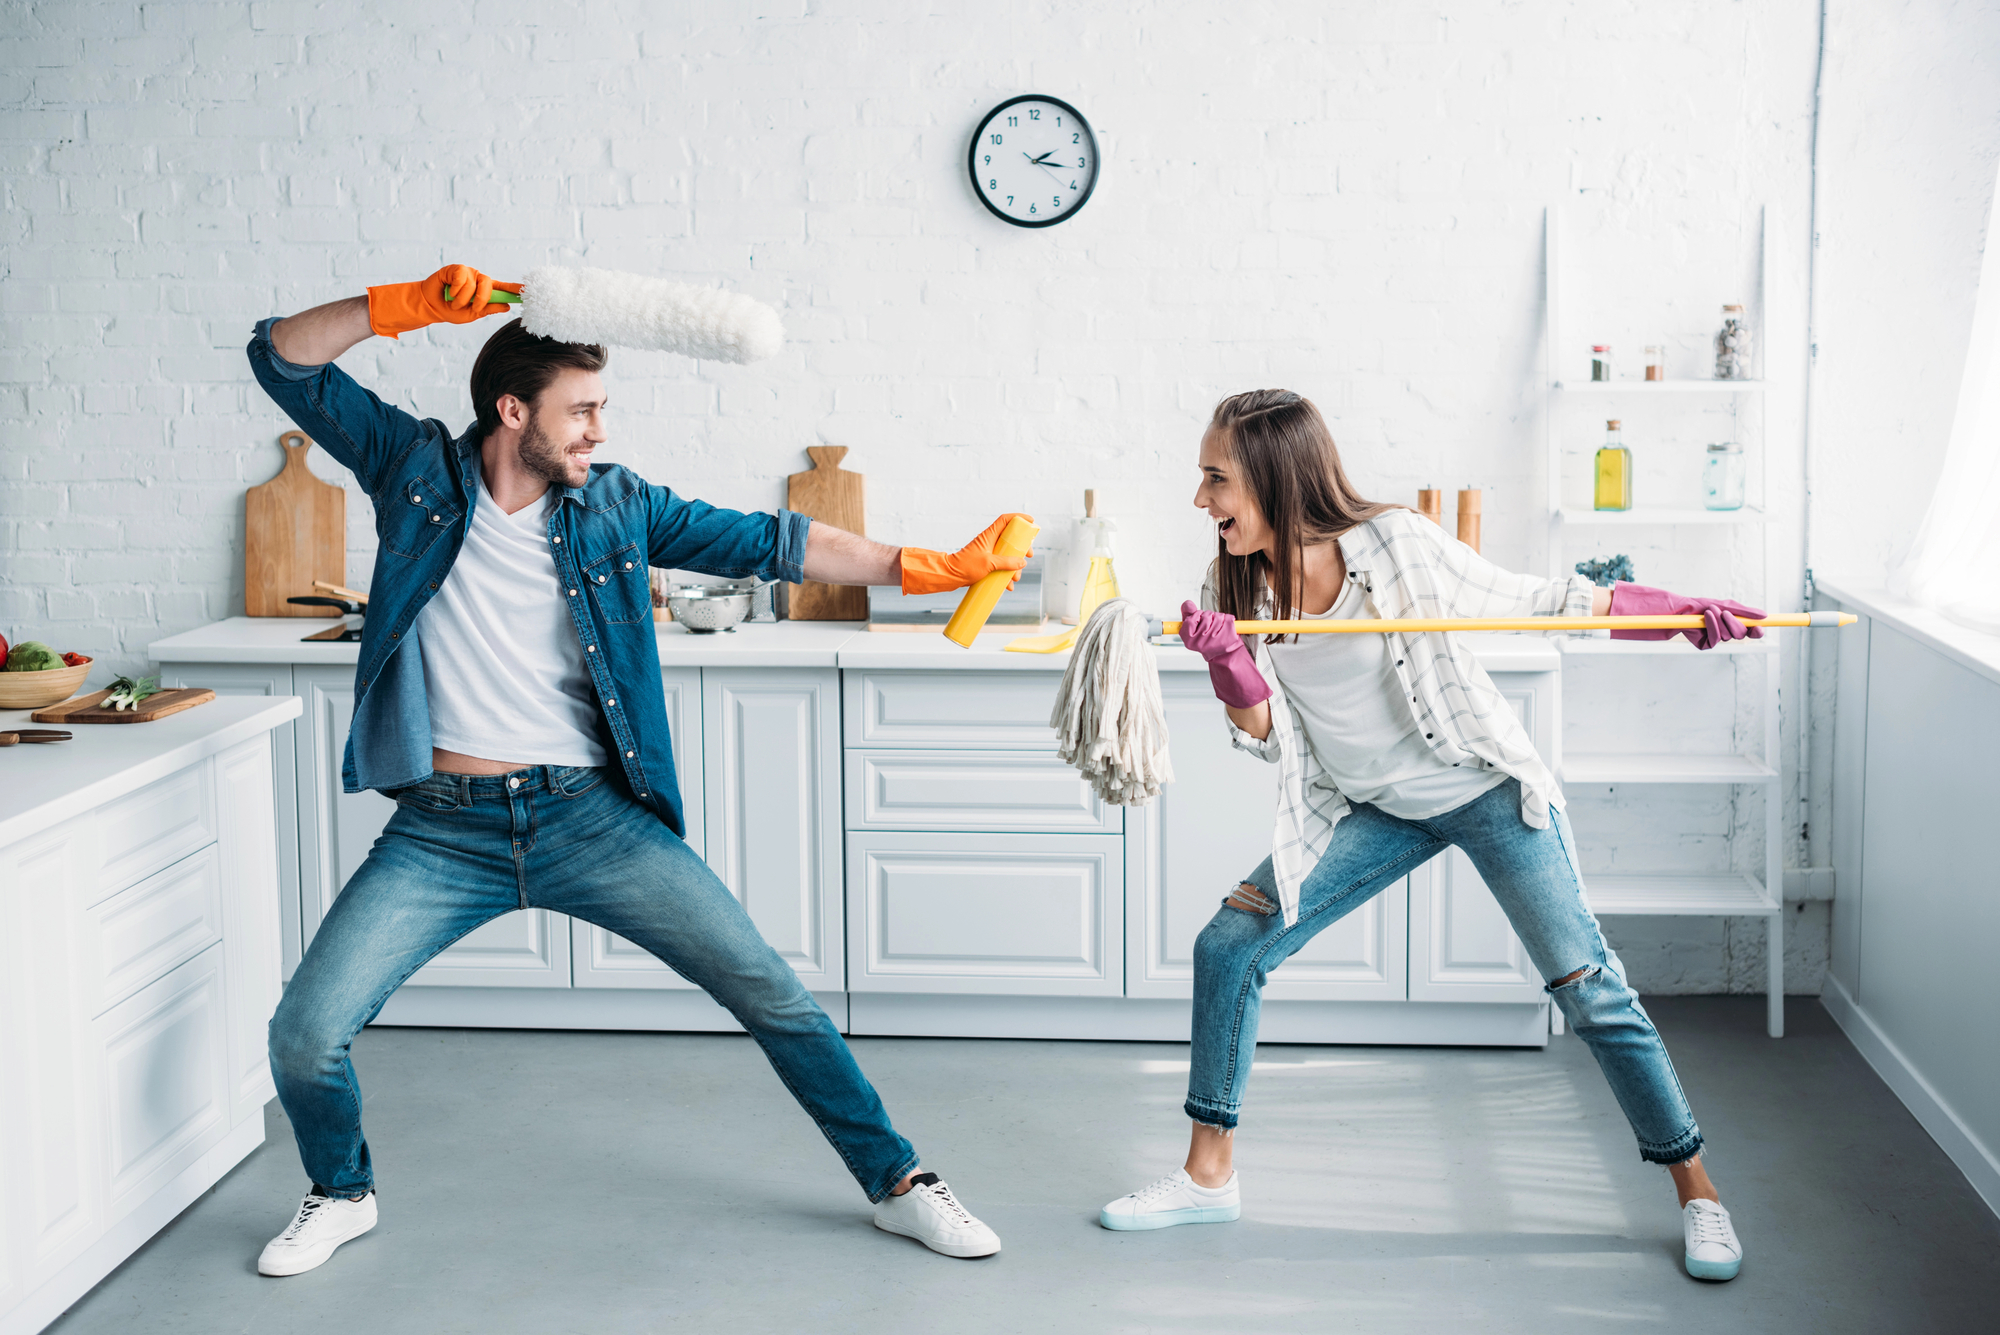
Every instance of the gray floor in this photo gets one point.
(595, 1183)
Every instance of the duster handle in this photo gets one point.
(1821, 620)
(504, 298)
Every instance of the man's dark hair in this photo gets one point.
(517, 362)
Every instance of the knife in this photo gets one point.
(34, 735)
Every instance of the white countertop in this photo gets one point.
(843, 644)
(44, 784)
(1975, 649)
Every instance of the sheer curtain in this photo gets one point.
(1954, 565)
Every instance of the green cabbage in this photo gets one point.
(32, 656)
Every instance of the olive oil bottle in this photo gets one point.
(1614, 471)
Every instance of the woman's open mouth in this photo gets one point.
(1224, 525)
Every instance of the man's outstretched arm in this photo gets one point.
(835, 556)
(320, 335)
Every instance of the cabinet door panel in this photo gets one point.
(606, 959)
(1022, 915)
(1461, 946)
(249, 866)
(524, 949)
(952, 709)
(1208, 830)
(165, 1077)
(141, 933)
(770, 737)
(1021, 792)
(156, 827)
(265, 679)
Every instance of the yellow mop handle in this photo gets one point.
(1813, 619)
(980, 600)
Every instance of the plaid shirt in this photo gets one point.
(1406, 566)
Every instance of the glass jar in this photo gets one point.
(1600, 361)
(1656, 362)
(1613, 472)
(1732, 345)
(1723, 477)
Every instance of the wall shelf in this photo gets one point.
(1736, 893)
(1730, 895)
(1658, 514)
(1660, 386)
(1631, 767)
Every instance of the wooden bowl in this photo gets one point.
(39, 690)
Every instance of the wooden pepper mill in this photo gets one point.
(1468, 517)
(1430, 504)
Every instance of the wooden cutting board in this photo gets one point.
(827, 493)
(294, 532)
(87, 708)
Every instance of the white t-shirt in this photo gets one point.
(503, 668)
(1359, 725)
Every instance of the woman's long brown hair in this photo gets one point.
(1285, 457)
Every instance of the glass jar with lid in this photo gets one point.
(1613, 472)
(1732, 345)
(1600, 361)
(1723, 477)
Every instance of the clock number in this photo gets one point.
(1058, 200)
(1076, 138)
(1010, 201)
(996, 139)
(1031, 208)
(1013, 121)
(1072, 185)
(1059, 122)
(989, 159)
(1034, 114)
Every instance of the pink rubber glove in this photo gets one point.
(1720, 614)
(1231, 670)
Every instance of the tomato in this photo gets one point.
(75, 660)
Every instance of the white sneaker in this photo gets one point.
(322, 1224)
(1174, 1199)
(1712, 1249)
(929, 1213)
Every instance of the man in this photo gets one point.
(508, 698)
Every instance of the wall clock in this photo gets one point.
(1033, 161)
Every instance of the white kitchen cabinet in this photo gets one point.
(1198, 840)
(954, 709)
(525, 949)
(603, 958)
(771, 788)
(995, 792)
(1009, 914)
(139, 967)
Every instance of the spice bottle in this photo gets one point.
(1600, 361)
(1656, 362)
(1614, 471)
(1732, 346)
(1430, 504)
(1722, 477)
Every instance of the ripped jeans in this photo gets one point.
(1533, 873)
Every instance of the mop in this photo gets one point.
(1111, 725)
(634, 311)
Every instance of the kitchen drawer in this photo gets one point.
(140, 933)
(999, 914)
(164, 1072)
(154, 828)
(1023, 792)
(943, 710)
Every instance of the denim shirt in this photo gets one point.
(603, 536)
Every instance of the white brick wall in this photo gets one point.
(1342, 198)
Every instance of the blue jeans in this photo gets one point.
(462, 850)
(1532, 873)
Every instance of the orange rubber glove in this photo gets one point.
(400, 307)
(926, 571)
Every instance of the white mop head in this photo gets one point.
(633, 311)
(1109, 719)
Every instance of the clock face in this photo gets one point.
(1033, 161)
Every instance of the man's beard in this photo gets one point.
(541, 456)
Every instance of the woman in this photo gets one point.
(1392, 747)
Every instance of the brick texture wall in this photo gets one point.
(1342, 198)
